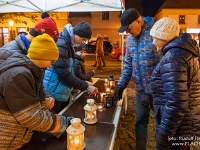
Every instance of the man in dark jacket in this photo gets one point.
(175, 83)
(60, 79)
(22, 42)
(22, 110)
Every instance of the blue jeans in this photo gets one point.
(144, 103)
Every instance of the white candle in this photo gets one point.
(106, 80)
(76, 141)
(108, 90)
(100, 106)
(101, 96)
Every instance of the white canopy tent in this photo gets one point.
(60, 5)
(7, 6)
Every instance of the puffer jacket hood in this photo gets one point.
(11, 47)
(20, 60)
(184, 41)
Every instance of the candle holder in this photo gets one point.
(100, 106)
(90, 112)
(101, 97)
(111, 81)
(75, 135)
(108, 101)
(108, 90)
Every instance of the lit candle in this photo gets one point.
(100, 106)
(76, 141)
(108, 90)
(105, 84)
(101, 96)
(106, 80)
(112, 92)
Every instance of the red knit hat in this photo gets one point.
(46, 25)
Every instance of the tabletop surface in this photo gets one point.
(97, 136)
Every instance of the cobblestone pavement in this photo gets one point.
(125, 139)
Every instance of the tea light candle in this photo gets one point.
(112, 92)
(106, 80)
(100, 106)
(108, 90)
(105, 84)
(101, 96)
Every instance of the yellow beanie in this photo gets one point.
(43, 47)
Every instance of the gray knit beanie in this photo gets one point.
(83, 29)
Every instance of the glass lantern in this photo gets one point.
(90, 112)
(108, 101)
(111, 81)
(75, 135)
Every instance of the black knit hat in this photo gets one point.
(80, 47)
(127, 17)
(83, 29)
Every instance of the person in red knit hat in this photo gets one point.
(46, 25)
(22, 43)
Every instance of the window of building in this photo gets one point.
(105, 15)
(181, 19)
(198, 19)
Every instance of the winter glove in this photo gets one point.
(118, 92)
(50, 102)
(92, 89)
(161, 143)
(63, 124)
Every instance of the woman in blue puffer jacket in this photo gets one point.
(175, 83)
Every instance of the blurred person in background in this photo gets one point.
(99, 52)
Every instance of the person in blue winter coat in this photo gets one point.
(175, 83)
(60, 79)
(140, 60)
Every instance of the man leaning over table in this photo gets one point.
(140, 60)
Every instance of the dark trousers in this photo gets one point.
(144, 102)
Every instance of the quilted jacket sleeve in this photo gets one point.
(174, 76)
